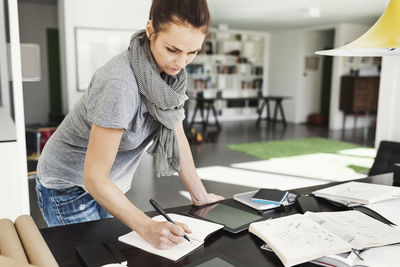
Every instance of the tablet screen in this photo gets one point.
(216, 262)
(223, 214)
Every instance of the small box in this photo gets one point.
(269, 196)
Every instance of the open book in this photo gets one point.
(356, 193)
(200, 231)
(300, 238)
(378, 257)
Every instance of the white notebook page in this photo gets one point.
(390, 209)
(296, 239)
(360, 230)
(200, 230)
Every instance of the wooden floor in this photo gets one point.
(166, 190)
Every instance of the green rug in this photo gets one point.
(295, 147)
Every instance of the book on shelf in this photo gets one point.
(358, 193)
(378, 257)
(300, 238)
(200, 231)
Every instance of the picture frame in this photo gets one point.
(311, 63)
(94, 47)
(351, 62)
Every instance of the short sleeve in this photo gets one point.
(112, 104)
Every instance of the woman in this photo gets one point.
(138, 96)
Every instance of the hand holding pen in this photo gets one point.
(164, 214)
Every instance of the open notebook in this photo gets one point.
(300, 238)
(200, 231)
(378, 257)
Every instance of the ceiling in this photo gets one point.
(275, 15)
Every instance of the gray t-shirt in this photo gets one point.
(111, 101)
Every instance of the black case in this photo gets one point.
(307, 203)
(99, 254)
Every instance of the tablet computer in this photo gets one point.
(215, 260)
(233, 219)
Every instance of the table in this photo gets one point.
(243, 248)
(206, 105)
(265, 100)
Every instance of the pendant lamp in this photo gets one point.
(382, 39)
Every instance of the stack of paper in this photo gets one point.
(357, 193)
(245, 198)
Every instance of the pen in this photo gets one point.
(162, 212)
(358, 255)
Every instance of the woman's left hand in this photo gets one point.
(209, 198)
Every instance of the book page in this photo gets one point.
(388, 209)
(341, 259)
(380, 256)
(363, 193)
(296, 239)
(360, 230)
(174, 253)
(200, 230)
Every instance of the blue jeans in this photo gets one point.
(68, 205)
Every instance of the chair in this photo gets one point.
(388, 154)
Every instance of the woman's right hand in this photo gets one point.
(165, 235)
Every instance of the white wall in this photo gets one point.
(285, 66)
(12, 191)
(287, 75)
(34, 19)
(14, 195)
(388, 126)
(344, 33)
(106, 14)
(4, 87)
(309, 94)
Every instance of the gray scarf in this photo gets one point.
(165, 96)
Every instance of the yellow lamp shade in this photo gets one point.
(382, 39)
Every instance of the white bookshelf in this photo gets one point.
(231, 64)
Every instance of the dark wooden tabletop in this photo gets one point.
(243, 248)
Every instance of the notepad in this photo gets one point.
(300, 238)
(200, 231)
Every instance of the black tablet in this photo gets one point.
(234, 219)
(215, 260)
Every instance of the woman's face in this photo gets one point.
(175, 46)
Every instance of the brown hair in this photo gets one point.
(192, 12)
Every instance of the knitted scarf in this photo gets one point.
(165, 96)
